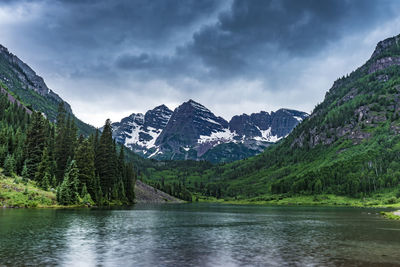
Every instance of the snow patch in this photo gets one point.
(299, 119)
(266, 136)
(155, 153)
(225, 136)
(212, 121)
(134, 136)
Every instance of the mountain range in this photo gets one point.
(192, 131)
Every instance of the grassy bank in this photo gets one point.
(18, 194)
(390, 215)
(387, 199)
(15, 193)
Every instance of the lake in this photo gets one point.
(198, 235)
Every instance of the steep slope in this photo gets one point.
(349, 145)
(189, 126)
(193, 132)
(29, 88)
(139, 132)
(147, 194)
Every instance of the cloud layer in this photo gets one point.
(112, 58)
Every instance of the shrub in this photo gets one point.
(391, 200)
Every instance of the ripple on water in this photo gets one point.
(199, 235)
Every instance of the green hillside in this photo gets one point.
(52, 160)
(19, 79)
(350, 145)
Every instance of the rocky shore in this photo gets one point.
(147, 194)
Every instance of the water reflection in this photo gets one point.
(199, 235)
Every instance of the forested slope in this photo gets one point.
(350, 145)
(29, 88)
(80, 170)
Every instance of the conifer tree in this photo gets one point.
(24, 173)
(9, 165)
(86, 198)
(98, 195)
(71, 136)
(62, 147)
(43, 174)
(67, 192)
(35, 142)
(84, 157)
(106, 161)
(129, 182)
(3, 153)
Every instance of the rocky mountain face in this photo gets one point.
(139, 132)
(359, 101)
(19, 79)
(192, 131)
(26, 76)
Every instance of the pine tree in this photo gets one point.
(71, 136)
(84, 157)
(35, 142)
(9, 165)
(65, 141)
(86, 198)
(106, 161)
(45, 183)
(24, 173)
(98, 195)
(129, 181)
(3, 153)
(67, 193)
(64, 194)
(43, 174)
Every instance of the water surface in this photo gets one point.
(198, 235)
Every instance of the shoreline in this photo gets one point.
(392, 215)
(327, 200)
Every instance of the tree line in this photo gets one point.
(82, 170)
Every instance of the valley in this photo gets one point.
(344, 153)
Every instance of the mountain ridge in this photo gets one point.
(19, 78)
(192, 130)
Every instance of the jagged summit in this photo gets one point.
(192, 131)
(161, 107)
(188, 122)
(191, 104)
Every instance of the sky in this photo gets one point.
(109, 59)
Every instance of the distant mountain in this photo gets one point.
(139, 132)
(192, 131)
(20, 80)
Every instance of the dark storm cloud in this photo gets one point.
(252, 33)
(172, 50)
(299, 28)
(127, 20)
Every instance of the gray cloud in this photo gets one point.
(234, 56)
(252, 33)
